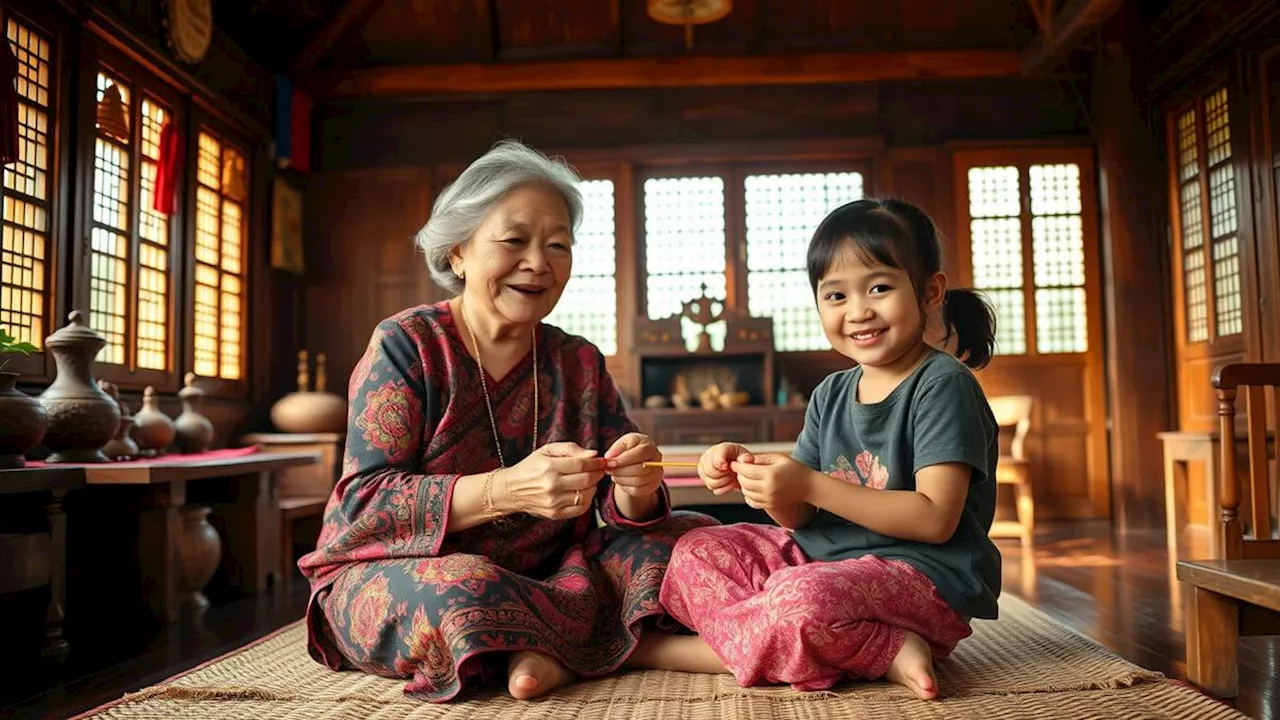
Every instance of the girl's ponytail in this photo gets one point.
(969, 318)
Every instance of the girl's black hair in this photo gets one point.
(897, 234)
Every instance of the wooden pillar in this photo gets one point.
(1136, 284)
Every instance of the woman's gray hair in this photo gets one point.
(464, 203)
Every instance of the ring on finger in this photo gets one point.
(577, 497)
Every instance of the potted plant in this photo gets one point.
(22, 418)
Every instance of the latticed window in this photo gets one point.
(1027, 253)
(1207, 222)
(782, 211)
(684, 246)
(590, 301)
(109, 256)
(129, 278)
(25, 250)
(221, 194)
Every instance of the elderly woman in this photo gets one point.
(462, 541)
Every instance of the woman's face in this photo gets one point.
(516, 265)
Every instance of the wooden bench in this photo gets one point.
(1238, 594)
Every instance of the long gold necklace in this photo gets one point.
(493, 424)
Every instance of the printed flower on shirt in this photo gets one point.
(843, 470)
(865, 470)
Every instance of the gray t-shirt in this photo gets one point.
(938, 414)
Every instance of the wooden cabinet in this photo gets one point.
(705, 396)
(304, 480)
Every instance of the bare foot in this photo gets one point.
(531, 674)
(682, 653)
(913, 667)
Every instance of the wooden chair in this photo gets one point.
(1013, 412)
(1238, 594)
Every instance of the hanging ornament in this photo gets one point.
(113, 116)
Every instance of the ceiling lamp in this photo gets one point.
(689, 13)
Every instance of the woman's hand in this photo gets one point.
(556, 482)
(714, 467)
(625, 463)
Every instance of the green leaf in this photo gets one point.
(25, 348)
(5, 338)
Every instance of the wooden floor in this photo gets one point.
(1115, 590)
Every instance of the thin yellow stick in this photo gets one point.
(654, 463)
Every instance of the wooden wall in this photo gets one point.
(1185, 47)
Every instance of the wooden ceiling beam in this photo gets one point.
(1064, 29)
(350, 13)
(684, 71)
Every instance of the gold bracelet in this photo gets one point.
(488, 494)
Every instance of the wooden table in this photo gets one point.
(1181, 448)
(246, 507)
(686, 487)
(33, 549)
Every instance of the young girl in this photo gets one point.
(882, 557)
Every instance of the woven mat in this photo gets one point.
(1024, 665)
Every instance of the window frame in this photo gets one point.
(204, 121)
(1023, 157)
(51, 22)
(619, 174)
(1193, 95)
(734, 174)
(142, 83)
(860, 165)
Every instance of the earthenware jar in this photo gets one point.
(194, 431)
(82, 418)
(152, 429)
(310, 411)
(120, 447)
(22, 422)
(199, 554)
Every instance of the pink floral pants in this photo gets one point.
(772, 615)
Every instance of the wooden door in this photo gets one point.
(1027, 236)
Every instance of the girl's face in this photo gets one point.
(517, 263)
(870, 313)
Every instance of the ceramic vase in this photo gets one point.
(22, 422)
(152, 429)
(200, 554)
(310, 411)
(193, 431)
(82, 418)
(120, 447)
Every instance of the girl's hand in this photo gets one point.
(625, 464)
(556, 482)
(714, 467)
(772, 480)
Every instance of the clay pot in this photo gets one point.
(152, 429)
(193, 431)
(310, 411)
(22, 422)
(120, 447)
(200, 554)
(82, 418)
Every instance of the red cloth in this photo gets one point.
(300, 129)
(8, 105)
(172, 459)
(168, 170)
(772, 615)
